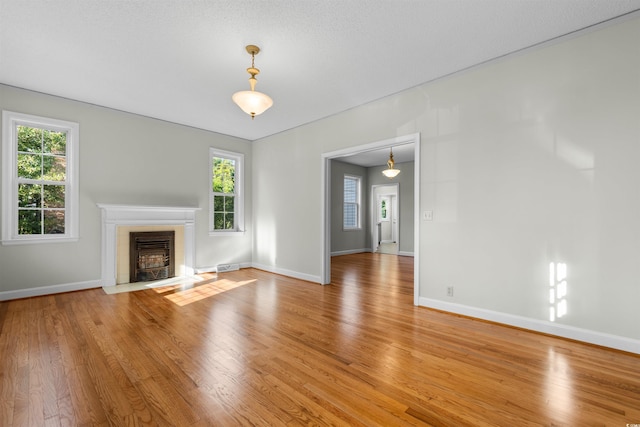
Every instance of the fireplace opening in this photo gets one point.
(152, 255)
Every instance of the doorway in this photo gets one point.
(413, 141)
(385, 219)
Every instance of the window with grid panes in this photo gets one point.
(226, 210)
(39, 191)
(351, 203)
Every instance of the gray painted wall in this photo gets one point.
(124, 159)
(348, 240)
(360, 241)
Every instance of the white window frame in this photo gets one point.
(239, 192)
(10, 121)
(358, 203)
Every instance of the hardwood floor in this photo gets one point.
(254, 348)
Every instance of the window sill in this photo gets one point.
(226, 233)
(43, 240)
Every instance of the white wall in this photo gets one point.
(285, 186)
(124, 159)
(525, 161)
(535, 162)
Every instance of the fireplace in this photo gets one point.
(152, 255)
(116, 218)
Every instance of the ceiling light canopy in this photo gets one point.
(251, 101)
(390, 172)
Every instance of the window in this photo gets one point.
(383, 203)
(351, 217)
(39, 179)
(226, 205)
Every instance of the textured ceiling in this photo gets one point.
(180, 60)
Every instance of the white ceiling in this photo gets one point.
(181, 60)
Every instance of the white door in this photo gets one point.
(384, 216)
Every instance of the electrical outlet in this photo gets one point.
(449, 291)
(427, 216)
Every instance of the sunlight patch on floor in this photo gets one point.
(176, 282)
(183, 290)
(197, 293)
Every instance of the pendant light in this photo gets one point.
(390, 172)
(251, 101)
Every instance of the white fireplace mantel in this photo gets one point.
(131, 215)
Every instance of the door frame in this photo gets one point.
(325, 203)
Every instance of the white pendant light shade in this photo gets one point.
(252, 102)
(390, 172)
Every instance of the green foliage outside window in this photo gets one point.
(42, 167)
(223, 185)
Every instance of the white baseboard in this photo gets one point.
(557, 329)
(350, 251)
(405, 253)
(285, 272)
(48, 290)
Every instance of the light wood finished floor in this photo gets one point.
(252, 348)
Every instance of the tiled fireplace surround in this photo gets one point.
(114, 216)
